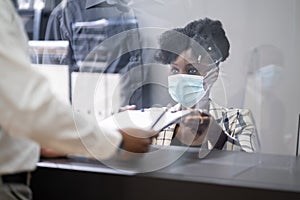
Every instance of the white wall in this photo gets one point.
(249, 24)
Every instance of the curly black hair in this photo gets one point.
(206, 32)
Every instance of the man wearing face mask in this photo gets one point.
(194, 54)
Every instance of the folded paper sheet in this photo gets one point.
(144, 119)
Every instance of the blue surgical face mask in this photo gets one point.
(270, 75)
(186, 89)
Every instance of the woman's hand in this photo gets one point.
(193, 128)
(197, 121)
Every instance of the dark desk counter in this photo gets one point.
(221, 174)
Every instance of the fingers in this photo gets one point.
(128, 107)
(49, 153)
(139, 133)
(136, 140)
(197, 122)
(196, 118)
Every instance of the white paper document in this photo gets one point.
(143, 119)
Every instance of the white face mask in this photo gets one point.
(270, 75)
(186, 89)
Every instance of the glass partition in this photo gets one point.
(256, 82)
(261, 72)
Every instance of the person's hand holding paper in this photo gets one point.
(137, 140)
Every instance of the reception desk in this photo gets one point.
(221, 175)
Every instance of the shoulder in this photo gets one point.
(67, 12)
(69, 7)
(221, 111)
(7, 13)
(12, 31)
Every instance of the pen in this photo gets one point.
(160, 116)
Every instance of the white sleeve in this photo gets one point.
(29, 109)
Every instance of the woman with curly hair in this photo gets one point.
(194, 54)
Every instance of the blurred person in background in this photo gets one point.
(89, 25)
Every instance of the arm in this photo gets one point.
(56, 31)
(53, 29)
(29, 109)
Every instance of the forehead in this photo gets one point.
(188, 59)
(185, 58)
